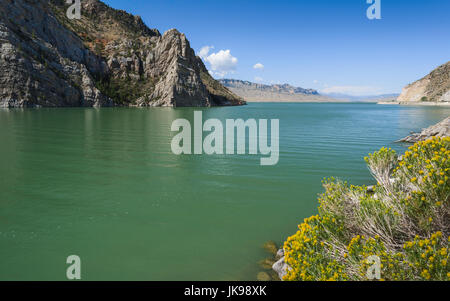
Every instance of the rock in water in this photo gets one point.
(280, 253)
(281, 268)
(267, 263)
(106, 58)
(270, 247)
(442, 129)
(263, 276)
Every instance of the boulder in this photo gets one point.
(281, 268)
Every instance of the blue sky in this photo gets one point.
(329, 45)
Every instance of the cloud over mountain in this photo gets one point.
(221, 62)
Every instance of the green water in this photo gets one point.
(104, 185)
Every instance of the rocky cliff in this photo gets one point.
(435, 87)
(106, 58)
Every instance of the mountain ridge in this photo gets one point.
(364, 98)
(281, 88)
(107, 58)
(255, 92)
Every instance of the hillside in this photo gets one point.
(107, 58)
(435, 87)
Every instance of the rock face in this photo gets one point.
(281, 93)
(442, 129)
(435, 87)
(106, 58)
(281, 268)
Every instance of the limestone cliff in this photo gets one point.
(434, 87)
(106, 58)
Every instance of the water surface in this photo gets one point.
(104, 185)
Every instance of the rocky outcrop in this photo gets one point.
(106, 58)
(435, 87)
(281, 267)
(442, 129)
(175, 63)
(42, 63)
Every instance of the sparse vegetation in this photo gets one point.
(218, 92)
(123, 91)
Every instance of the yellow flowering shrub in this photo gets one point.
(361, 248)
(404, 221)
(305, 253)
(427, 258)
(424, 174)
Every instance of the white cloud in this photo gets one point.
(203, 53)
(352, 90)
(258, 66)
(221, 62)
(315, 81)
(258, 79)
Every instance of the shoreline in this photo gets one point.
(287, 260)
(408, 103)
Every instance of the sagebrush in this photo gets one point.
(404, 220)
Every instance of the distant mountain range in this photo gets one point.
(253, 92)
(364, 98)
(285, 88)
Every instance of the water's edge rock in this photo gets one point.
(442, 129)
(281, 267)
(107, 58)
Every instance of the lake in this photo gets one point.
(103, 184)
